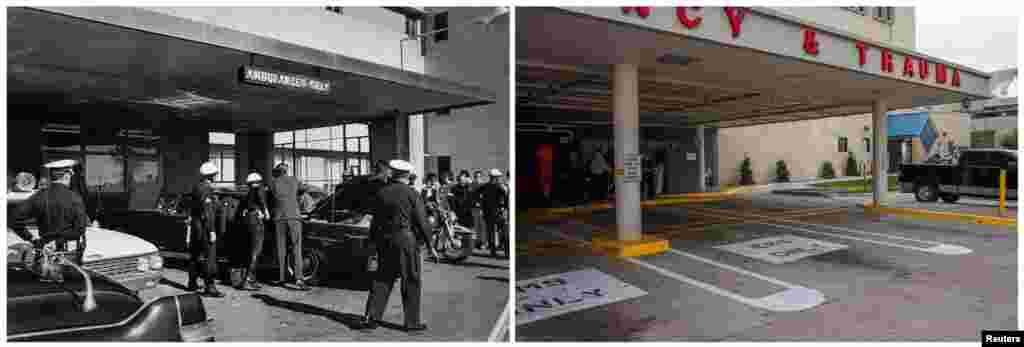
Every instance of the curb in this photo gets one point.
(945, 216)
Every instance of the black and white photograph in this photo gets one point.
(260, 174)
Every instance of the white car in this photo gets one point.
(126, 259)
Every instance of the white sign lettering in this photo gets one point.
(781, 249)
(271, 78)
(554, 295)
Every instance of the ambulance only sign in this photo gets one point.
(554, 295)
(781, 249)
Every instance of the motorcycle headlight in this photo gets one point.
(156, 262)
(143, 264)
(432, 220)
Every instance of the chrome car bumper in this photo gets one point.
(198, 332)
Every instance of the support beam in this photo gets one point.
(701, 158)
(879, 159)
(626, 105)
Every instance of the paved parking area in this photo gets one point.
(979, 206)
(898, 279)
(460, 303)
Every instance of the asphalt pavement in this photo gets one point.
(460, 302)
(897, 279)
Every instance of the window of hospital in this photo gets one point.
(322, 156)
(441, 23)
(222, 154)
(843, 145)
(884, 14)
(867, 145)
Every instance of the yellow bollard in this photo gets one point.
(1002, 192)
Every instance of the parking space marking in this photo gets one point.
(938, 248)
(793, 298)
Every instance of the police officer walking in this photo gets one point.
(399, 219)
(59, 213)
(255, 213)
(203, 236)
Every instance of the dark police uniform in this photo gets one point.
(399, 218)
(60, 216)
(254, 209)
(493, 199)
(203, 210)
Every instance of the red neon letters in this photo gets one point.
(642, 11)
(810, 42)
(862, 53)
(887, 65)
(735, 15)
(922, 68)
(688, 22)
(956, 77)
(940, 73)
(908, 66)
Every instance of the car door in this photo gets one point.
(984, 174)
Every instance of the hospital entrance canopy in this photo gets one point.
(719, 67)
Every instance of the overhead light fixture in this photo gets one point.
(187, 101)
(676, 59)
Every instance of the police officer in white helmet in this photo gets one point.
(399, 219)
(203, 236)
(254, 213)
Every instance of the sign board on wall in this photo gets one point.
(270, 78)
(558, 294)
(631, 167)
(781, 249)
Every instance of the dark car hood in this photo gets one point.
(35, 305)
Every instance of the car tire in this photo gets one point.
(950, 198)
(924, 192)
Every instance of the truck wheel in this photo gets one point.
(950, 198)
(926, 192)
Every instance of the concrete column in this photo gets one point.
(701, 159)
(879, 159)
(255, 153)
(402, 137)
(626, 106)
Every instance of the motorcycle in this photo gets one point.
(453, 242)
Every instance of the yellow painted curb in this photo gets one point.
(947, 216)
(646, 246)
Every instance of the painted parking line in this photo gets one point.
(937, 248)
(793, 298)
(686, 228)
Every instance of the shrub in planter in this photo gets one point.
(781, 171)
(827, 171)
(746, 172)
(852, 168)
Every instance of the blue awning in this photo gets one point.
(910, 124)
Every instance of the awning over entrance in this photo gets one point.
(154, 62)
(719, 67)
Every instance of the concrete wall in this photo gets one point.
(957, 124)
(818, 142)
(366, 33)
(901, 32)
(474, 54)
